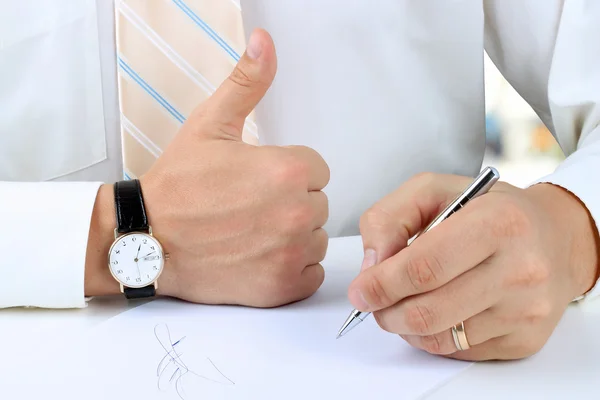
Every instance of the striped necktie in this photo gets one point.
(172, 54)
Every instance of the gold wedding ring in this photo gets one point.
(460, 337)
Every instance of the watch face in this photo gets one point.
(136, 259)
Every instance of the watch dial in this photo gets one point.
(136, 259)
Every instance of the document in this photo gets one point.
(168, 349)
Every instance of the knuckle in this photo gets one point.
(322, 245)
(319, 276)
(376, 292)
(289, 256)
(241, 77)
(423, 271)
(432, 344)
(327, 171)
(539, 312)
(313, 156)
(420, 319)
(512, 222)
(424, 178)
(276, 288)
(289, 170)
(373, 218)
(366, 220)
(533, 273)
(527, 348)
(324, 208)
(286, 285)
(299, 218)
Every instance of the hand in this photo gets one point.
(152, 252)
(507, 264)
(137, 265)
(242, 224)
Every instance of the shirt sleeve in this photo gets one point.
(550, 53)
(45, 233)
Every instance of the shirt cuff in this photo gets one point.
(578, 174)
(44, 254)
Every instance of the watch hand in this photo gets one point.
(148, 254)
(138, 268)
(138, 253)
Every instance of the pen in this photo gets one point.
(480, 185)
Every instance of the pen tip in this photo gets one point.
(338, 336)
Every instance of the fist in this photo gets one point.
(242, 223)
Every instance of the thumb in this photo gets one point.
(239, 94)
(387, 226)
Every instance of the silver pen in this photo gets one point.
(486, 179)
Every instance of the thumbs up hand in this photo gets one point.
(242, 223)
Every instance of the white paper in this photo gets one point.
(281, 353)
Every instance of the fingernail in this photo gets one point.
(358, 300)
(369, 260)
(254, 49)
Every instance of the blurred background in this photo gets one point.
(518, 143)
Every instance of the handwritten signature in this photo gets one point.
(172, 361)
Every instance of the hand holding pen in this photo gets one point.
(479, 186)
(491, 281)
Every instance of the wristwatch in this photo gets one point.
(136, 258)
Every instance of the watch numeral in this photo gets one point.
(118, 251)
(148, 276)
(133, 239)
(155, 268)
(145, 241)
(152, 248)
(115, 262)
(124, 244)
(138, 279)
(120, 271)
(127, 278)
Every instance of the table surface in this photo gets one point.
(568, 365)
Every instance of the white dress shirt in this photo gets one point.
(382, 89)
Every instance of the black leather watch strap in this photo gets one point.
(130, 209)
(131, 217)
(139, 293)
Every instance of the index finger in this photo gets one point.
(455, 246)
(318, 170)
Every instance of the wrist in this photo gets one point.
(576, 231)
(98, 280)
(158, 212)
